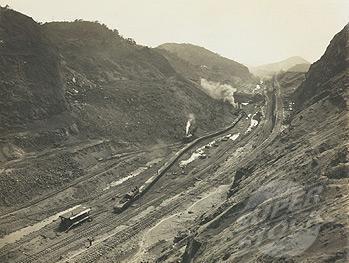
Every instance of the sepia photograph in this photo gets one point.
(174, 131)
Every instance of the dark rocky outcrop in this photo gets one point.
(31, 86)
(328, 74)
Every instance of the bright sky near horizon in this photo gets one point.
(252, 32)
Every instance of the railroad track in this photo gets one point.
(128, 232)
(107, 222)
(146, 222)
(121, 156)
(103, 199)
(91, 231)
(264, 139)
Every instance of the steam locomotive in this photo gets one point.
(126, 200)
(190, 133)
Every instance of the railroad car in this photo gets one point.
(74, 218)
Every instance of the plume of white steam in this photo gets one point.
(191, 118)
(219, 91)
(187, 127)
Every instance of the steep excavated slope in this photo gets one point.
(328, 75)
(289, 204)
(284, 65)
(65, 86)
(204, 63)
(31, 85)
(133, 90)
(289, 82)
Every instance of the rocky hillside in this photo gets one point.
(284, 65)
(83, 77)
(31, 87)
(196, 62)
(288, 203)
(327, 77)
(131, 89)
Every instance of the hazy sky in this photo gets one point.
(249, 31)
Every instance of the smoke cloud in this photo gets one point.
(219, 91)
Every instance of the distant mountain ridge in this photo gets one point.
(283, 65)
(197, 62)
(300, 68)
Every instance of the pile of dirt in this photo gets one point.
(35, 177)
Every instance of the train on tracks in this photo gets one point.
(125, 201)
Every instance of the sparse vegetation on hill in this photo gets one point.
(96, 79)
(204, 63)
(116, 84)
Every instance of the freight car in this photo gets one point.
(74, 218)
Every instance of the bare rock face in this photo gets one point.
(31, 87)
(327, 75)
